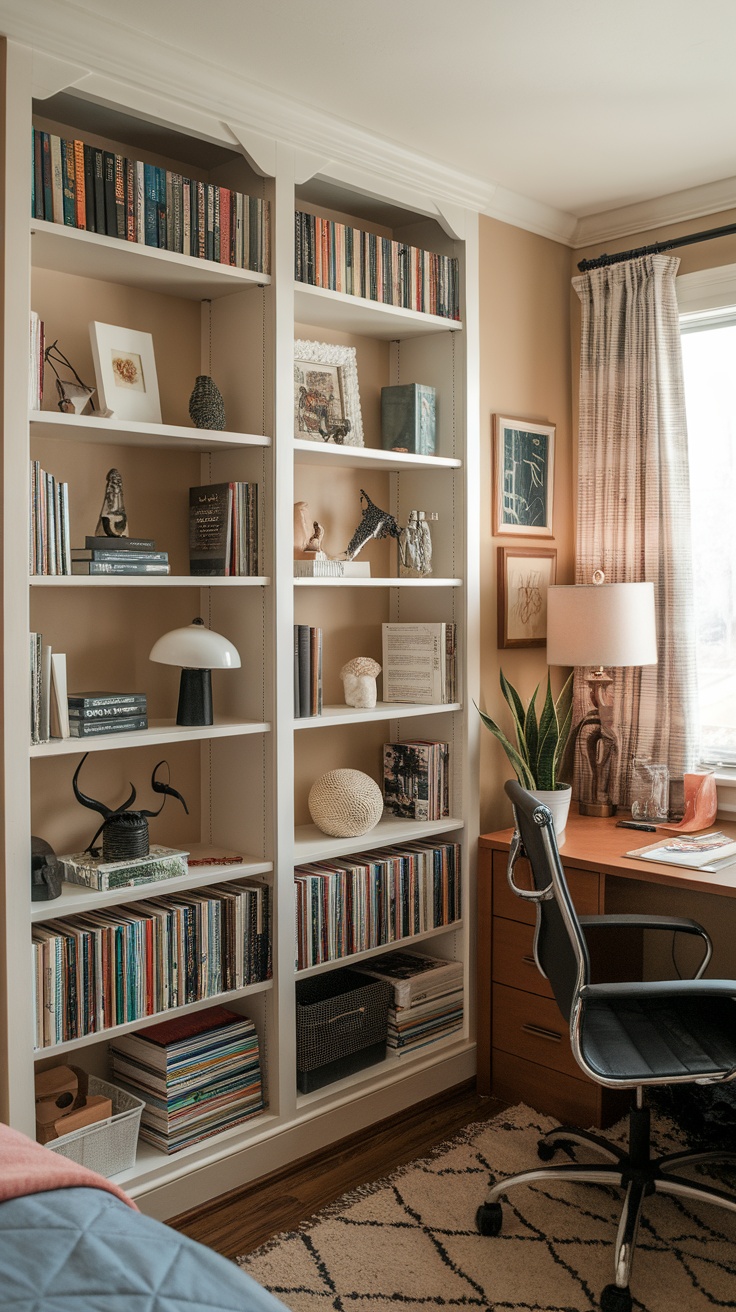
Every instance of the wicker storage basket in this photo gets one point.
(109, 1146)
(341, 1025)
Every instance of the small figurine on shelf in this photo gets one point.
(308, 534)
(415, 547)
(124, 832)
(73, 396)
(375, 523)
(206, 406)
(113, 521)
(359, 681)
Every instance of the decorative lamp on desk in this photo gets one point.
(197, 650)
(601, 625)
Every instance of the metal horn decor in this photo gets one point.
(376, 523)
(124, 832)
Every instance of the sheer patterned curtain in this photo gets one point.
(634, 499)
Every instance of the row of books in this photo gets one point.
(344, 259)
(307, 671)
(104, 968)
(419, 663)
(223, 529)
(82, 186)
(197, 1074)
(374, 898)
(427, 998)
(103, 555)
(416, 779)
(36, 357)
(49, 544)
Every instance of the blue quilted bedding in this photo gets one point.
(82, 1250)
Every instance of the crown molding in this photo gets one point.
(677, 207)
(159, 72)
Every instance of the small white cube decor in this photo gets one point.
(345, 803)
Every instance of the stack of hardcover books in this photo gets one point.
(92, 871)
(428, 998)
(416, 782)
(307, 671)
(198, 1074)
(223, 529)
(102, 555)
(95, 713)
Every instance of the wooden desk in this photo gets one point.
(523, 1047)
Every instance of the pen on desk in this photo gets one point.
(634, 824)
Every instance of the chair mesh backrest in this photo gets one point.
(559, 946)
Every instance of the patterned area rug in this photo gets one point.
(410, 1239)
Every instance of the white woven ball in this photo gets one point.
(345, 803)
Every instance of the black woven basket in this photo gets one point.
(341, 1025)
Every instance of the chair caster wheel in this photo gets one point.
(546, 1150)
(488, 1219)
(615, 1299)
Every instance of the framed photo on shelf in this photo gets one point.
(524, 574)
(125, 369)
(326, 396)
(523, 477)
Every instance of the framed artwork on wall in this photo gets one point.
(524, 574)
(523, 477)
(125, 370)
(326, 396)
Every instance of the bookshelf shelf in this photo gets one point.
(145, 581)
(310, 844)
(158, 733)
(103, 1036)
(378, 583)
(134, 433)
(154, 1169)
(108, 259)
(363, 457)
(383, 1073)
(355, 314)
(372, 953)
(74, 899)
(332, 715)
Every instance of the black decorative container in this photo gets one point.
(341, 1026)
(206, 406)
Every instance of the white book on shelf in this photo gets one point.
(414, 663)
(59, 707)
(332, 569)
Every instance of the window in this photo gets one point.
(709, 353)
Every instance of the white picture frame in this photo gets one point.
(125, 369)
(326, 395)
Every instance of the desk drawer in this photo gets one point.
(584, 886)
(533, 1028)
(513, 959)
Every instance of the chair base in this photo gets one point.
(633, 1170)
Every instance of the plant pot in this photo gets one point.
(558, 801)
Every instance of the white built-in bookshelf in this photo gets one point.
(246, 778)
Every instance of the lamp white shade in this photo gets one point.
(196, 648)
(601, 624)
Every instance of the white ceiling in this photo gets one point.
(582, 106)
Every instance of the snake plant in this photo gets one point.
(540, 743)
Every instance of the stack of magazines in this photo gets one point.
(198, 1074)
(428, 998)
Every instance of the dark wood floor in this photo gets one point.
(240, 1221)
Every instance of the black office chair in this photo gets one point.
(624, 1036)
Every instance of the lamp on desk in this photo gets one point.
(198, 650)
(600, 625)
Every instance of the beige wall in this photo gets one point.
(524, 371)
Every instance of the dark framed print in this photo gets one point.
(523, 477)
(524, 574)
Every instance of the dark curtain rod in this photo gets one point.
(602, 261)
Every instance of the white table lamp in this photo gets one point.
(601, 625)
(197, 650)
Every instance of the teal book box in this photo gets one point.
(409, 418)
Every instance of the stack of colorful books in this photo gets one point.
(198, 1074)
(428, 998)
(94, 713)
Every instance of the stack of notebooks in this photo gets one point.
(94, 713)
(428, 998)
(198, 1074)
(307, 671)
(102, 555)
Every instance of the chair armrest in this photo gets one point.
(675, 924)
(661, 988)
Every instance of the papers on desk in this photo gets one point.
(708, 852)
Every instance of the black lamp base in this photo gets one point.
(195, 698)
